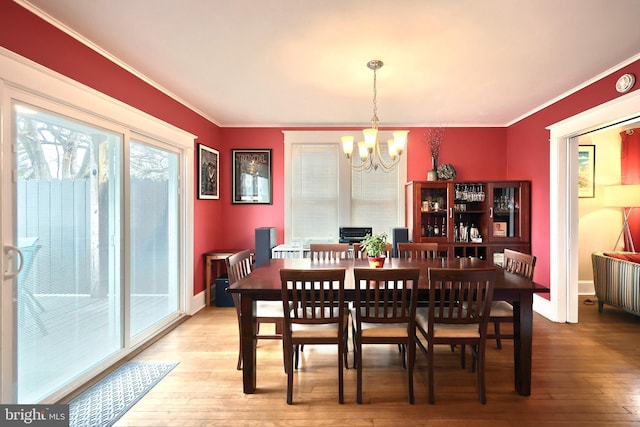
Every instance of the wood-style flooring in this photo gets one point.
(585, 374)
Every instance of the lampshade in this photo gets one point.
(622, 196)
(347, 144)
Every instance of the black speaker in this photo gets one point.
(398, 235)
(265, 241)
(223, 298)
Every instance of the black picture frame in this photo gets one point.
(586, 171)
(208, 173)
(251, 179)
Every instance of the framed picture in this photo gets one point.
(208, 173)
(251, 181)
(586, 170)
(498, 259)
(500, 229)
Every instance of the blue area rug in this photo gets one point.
(107, 400)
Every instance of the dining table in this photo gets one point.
(264, 284)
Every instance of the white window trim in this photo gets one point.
(333, 137)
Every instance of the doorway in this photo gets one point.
(562, 306)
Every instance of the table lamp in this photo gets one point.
(626, 197)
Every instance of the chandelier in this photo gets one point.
(371, 157)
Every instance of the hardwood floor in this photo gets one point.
(585, 374)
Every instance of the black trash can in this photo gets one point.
(223, 298)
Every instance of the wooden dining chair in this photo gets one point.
(239, 265)
(384, 313)
(357, 253)
(501, 311)
(314, 306)
(328, 251)
(417, 250)
(458, 314)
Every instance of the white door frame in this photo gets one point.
(563, 202)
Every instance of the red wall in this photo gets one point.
(240, 221)
(528, 155)
(476, 153)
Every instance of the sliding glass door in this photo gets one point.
(68, 218)
(154, 239)
(95, 221)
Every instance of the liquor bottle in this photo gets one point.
(443, 229)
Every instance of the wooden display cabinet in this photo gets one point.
(476, 219)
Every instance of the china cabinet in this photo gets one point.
(477, 219)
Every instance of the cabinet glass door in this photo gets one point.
(434, 207)
(504, 211)
(469, 212)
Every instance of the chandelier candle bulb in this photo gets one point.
(347, 145)
(363, 150)
(400, 140)
(393, 149)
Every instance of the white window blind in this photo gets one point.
(322, 193)
(375, 198)
(315, 200)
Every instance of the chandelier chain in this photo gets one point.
(374, 119)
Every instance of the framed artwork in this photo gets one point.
(251, 180)
(208, 173)
(586, 170)
(500, 229)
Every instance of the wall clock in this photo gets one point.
(625, 83)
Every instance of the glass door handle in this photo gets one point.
(8, 250)
(491, 212)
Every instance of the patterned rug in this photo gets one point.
(107, 400)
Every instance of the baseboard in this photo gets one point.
(585, 287)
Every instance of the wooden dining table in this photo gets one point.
(264, 284)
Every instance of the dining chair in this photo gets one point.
(458, 314)
(501, 311)
(358, 254)
(328, 251)
(313, 302)
(239, 265)
(417, 250)
(384, 313)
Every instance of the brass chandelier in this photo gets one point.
(371, 157)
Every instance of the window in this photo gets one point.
(322, 192)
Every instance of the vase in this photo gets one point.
(376, 261)
(432, 175)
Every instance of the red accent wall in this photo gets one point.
(240, 221)
(476, 153)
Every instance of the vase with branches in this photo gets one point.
(434, 137)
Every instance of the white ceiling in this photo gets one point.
(303, 62)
